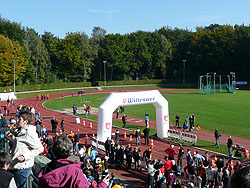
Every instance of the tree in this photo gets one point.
(10, 51)
(210, 50)
(12, 30)
(38, 54)
(74, 56)
(112, 50)
(97, 36)
(48, 38)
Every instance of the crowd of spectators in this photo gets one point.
(209, 171)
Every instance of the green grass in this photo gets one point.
(67, 102)
(229, 113)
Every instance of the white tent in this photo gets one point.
(114, 100)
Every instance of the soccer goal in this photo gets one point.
(214, 83)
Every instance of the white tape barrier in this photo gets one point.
(182, 136)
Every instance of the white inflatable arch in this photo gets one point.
(114, 100)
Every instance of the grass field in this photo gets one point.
(227, 112)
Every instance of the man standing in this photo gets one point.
(191, 121)
(217, 137)
(146, 135)
(62, 125)
(107, 146)
(26, 147)
(38, 128)
(124, 120)
(171, 152)
(3, 124)
(136, 157)
(185, 126)
(168, 165)
(55, 126)
(117, 137)
(151, 173)
(138, 136)
(189, 156)
(229, 146)
(180, 156)
(74, 109)
(76, 139)
(52, 121)
(146, 118)
(177, 120)
(89, 108)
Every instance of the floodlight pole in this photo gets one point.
(37, 65)
(104, 63)
(207, 82)
(184, 61)
(214, 82)
(220, 82)
(200, 82)
(228, 81)
(14, 61)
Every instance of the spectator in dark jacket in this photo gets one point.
(129, 156)
(3, 124)
(6, 178)
(146, 135)
(229, 146)
(217, 137)
(62, 124)
(117, 137)
(107, 146)
(38, 128)
(136, 157)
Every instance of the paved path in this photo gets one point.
(135, 178)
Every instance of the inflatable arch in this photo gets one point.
(114, 100)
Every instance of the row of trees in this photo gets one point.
(138, 55)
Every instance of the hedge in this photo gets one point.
(33, 87)
(138, 82)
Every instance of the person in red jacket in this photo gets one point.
(171, 152)
(168, 165)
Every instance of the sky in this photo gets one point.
(122, 16)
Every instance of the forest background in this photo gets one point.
(141, 55)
